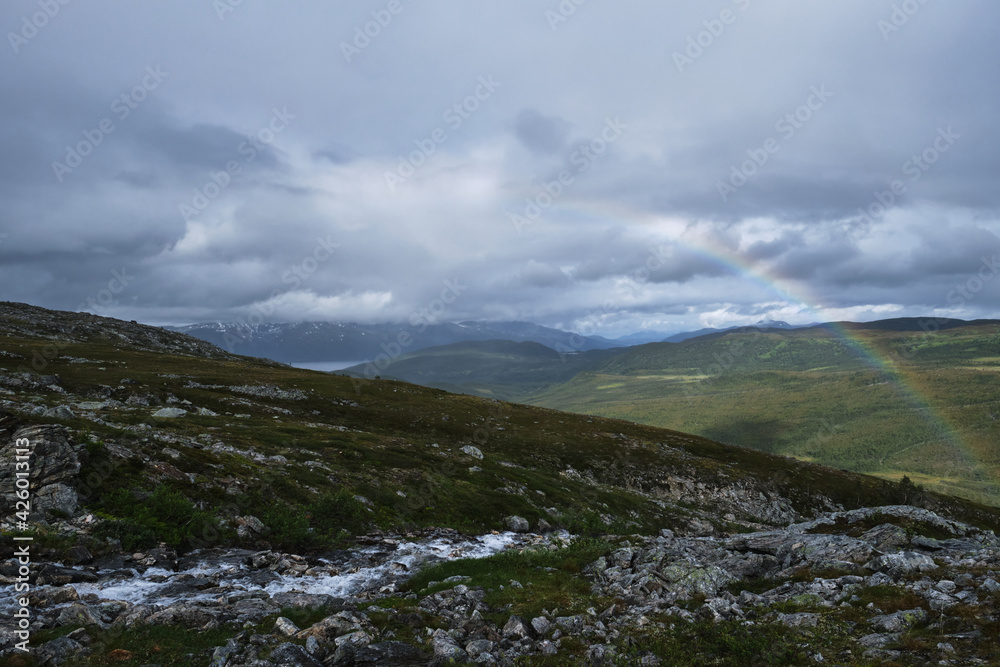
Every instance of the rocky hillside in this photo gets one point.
(292, 517)
(60, 328)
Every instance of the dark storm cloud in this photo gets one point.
(541, 134)
(199, 146)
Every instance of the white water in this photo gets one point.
(409, 555)
(395, 566)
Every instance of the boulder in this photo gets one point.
(285, 627)
(169, 413)
(59, 412)
(516, 628)
(474, 452)
(293, 655)
(901, 621)
(517, 524)
(251, 527)
(53, 468)
(388, 653)
(904, 562)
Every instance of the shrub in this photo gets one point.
(289, 527)
(166, 516)
(334, 513)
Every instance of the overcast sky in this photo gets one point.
(602, 166)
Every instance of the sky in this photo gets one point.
(602, 167)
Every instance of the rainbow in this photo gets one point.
(778, 286)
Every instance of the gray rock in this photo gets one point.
(284, 626)
(169, 413)
(58, 651)
(293, 655)
(517, 524)
(250, 526)
(571, 625)
(474, 452)
(887, 537)
(901, 621)
(516, 628)
(877, 640)
(388, 653)
(990, 586)
(904, 562)
(540, 625)
(56, 575)
(54, 466)
(446, 649)
(59, 412)
(478, 646)
(801, 620)
(81, 614)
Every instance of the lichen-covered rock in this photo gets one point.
(904, 562)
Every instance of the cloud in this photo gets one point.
(638, 237)
(540, 134)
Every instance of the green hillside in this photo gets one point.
(397, 445)
(931, 413)
(496, 369)
(929, 410)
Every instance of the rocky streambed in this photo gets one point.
(892, 583)
(208, 589)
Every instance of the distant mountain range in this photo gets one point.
(763, 324)
(304, 342)
(339, 341)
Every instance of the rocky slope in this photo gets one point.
(194, 507)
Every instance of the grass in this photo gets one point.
(164, 516)
(724, 643)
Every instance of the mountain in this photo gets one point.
(191, 506)
(763, 324)
(642, 337)
(345, 341)
(497, 368)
